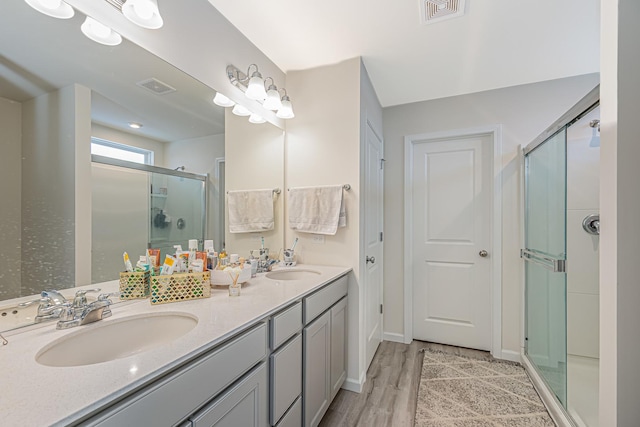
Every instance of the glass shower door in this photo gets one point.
(545, 255)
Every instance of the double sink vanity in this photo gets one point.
(274, 356)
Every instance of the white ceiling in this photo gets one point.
(497, 43)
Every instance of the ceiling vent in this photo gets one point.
(438, 10)
(156, 86)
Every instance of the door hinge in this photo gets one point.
(382, 163)
(380, 308)
(381, 236)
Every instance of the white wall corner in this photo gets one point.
(513, 356)
(355, 385)
(394, 337)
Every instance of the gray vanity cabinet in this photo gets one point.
(245, 404)
(285, 365)
(317, 366)
(325, 348)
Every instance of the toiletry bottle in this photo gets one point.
(208, 248)
(222, 257)
(193, 248)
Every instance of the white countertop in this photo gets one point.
(37, 395)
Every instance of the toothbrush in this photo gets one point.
(295, 242)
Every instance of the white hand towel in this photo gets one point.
(250, 211)
(318, 210)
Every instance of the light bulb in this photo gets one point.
(239, 110)
(256, 119)
(100, 33)
(143, 9)
(272, 102)
(255, 89)
(53, 8)
(222, 100)
(144, 13)
(286, 111)
(51, 4)
(100, 30)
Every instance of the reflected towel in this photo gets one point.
(318, 210)
(250, 211)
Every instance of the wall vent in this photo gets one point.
(433, 11)
(156, 86)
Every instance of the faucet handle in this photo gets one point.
(105, 297)
(55, 296)
(67, 313)
(80, 300)
(42, 301)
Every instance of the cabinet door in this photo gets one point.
(245, 404)
(338, 346)
(293, 417)
(286, 377)
(317, 360)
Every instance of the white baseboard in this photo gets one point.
(513, 356)
(355, 385)
(393, 337)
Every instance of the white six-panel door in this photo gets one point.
(451, 242)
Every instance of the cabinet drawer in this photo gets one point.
(286, 377)
(319, 302)
(293, 418)
(285, 324)
(245, 404)
(174, 397)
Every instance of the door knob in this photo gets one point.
(370, 259)
(483, 253)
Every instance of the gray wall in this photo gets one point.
(524, 112)
(56, 130)
(10, 186)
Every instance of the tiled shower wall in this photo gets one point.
(583, 175)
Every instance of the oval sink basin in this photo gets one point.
(293, 274)
(116, 339)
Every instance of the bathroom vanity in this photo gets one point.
(275, 356)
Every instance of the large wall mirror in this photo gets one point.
(58, 92)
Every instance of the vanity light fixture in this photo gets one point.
(100, 33)
(135, 125)
(254, 89)
(144, 13)
(54, 8)
(286, 110)
(222, 100)
(256, 119)
(239, 110)
(273, 101)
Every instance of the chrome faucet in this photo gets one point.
(69, 314)
(51, 305)
(72, 316)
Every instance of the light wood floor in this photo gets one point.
(390, 394)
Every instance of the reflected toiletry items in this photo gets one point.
(168, 266)
(127, 263)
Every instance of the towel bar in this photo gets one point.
(275, 191)
(345, 187)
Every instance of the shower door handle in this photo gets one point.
(556, 265)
